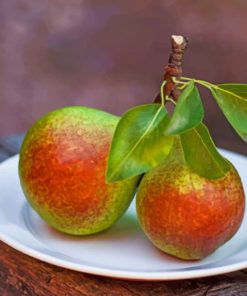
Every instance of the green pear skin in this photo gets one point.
(186, 215)
(62, 170)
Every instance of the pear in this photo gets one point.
(62, 169)
(186, 215)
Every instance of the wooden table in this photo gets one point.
(23, 275)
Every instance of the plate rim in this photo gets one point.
(119, 274)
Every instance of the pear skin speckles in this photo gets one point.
(62, 171)
(186, 215)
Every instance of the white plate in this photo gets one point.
(121, 252)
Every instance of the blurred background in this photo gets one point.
(111, 54)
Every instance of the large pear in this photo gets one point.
(62, 170)
(186, 215)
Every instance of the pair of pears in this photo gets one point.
(62, 170)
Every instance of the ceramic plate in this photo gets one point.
(121, 252)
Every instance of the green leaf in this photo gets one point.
(202, 155)
(239, 89)
(188, 112)
(232, 99)
(139, 143)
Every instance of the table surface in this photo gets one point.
(23, 275)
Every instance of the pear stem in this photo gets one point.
(173, 68)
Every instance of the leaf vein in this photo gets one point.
(234, 95)
(209, 152)
(138, 142)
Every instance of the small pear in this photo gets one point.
(186, 215)
(62, 170)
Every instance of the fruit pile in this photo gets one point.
(80, 167)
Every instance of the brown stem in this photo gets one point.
(174, 68)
